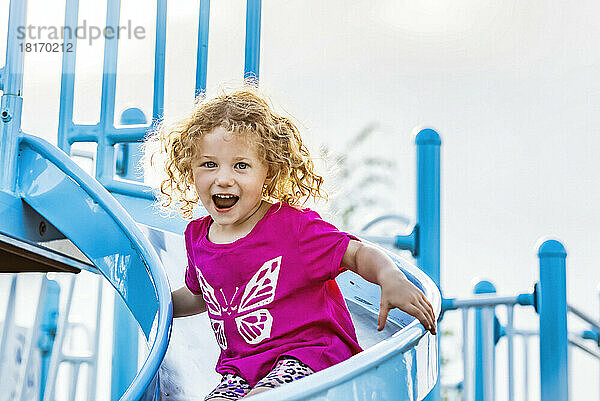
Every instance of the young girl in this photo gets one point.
(259, 264)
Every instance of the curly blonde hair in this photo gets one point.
(291, 172)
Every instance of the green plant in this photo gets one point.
(362, 180)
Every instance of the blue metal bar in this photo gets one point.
(93, 133)
(82, 138)
(467, 383)
(577, 342)
(57, 355)
(129, 155)
(15, 57)
(408, 242)
(202, 53)
(109, 69)
(67, 81)
(119, 135)
(130, 189)
(510, 350)
(427, 243)
(591, 335)
(584, 316)
(48, 330)
(12, 102)
(10, 126)
(484, 346)
(483, 300)
(31, 344)
(428, 203)
(554, 378)
(9, 321)
(159, 60)
(252, 55)
(105, 159)
(81, 133)
(525, 391)
(397, 217)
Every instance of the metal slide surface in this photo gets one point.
(399, 363)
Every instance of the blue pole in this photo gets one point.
(15, 56)
(252, 56)
(105, 157)
(12, 102)
(484, 346)
(129, 155)
(159, 60)
(428, 203)
(427, 243)
(48, 331)
(552, 303)
(202, 53)
(67, 79)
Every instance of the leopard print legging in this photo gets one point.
(233, 387)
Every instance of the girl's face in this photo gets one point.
(229, 176)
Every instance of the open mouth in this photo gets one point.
(223, 201)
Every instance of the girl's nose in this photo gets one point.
(224, 179)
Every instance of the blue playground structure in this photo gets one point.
(62, 224)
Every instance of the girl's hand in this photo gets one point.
(398, 292)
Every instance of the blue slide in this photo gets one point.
(80, 208)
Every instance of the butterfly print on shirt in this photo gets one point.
(253, 325)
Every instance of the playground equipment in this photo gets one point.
(550, 302)
(45, 197)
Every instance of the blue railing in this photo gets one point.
(104, 133)
(549, 300)
(128, 261)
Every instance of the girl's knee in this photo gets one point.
(257, 391)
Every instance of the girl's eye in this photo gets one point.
(242, 165)
(209, 164)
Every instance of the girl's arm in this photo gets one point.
(185, 303)
(396, 290)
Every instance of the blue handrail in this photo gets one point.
(144, 380)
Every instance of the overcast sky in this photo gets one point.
(512, 87)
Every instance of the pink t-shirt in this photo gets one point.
(273, 293)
